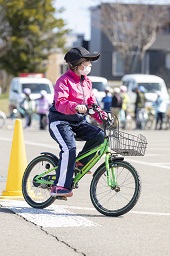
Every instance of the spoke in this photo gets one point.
(119, 172)
(126, 179)
(106, 202)
(105, 194)
(110, 200)
(121, 195)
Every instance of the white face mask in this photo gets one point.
(86, 71)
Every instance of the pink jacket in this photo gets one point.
(69, 92)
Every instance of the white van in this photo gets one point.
(18, 84)
(151, 83)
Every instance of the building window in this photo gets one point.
(165, 29)
(63, 68)
(167, 61)
(117, 64)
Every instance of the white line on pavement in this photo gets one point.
(57, 216)
(151, 213)
(157, 165)
(51, 146)
(133, 212)
(30, 143)
(53, 216)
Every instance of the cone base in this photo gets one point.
(12, 193)
(11, 197)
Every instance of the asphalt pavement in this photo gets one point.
(74, 227)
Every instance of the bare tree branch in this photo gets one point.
(131, 27)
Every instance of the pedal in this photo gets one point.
(61, 198)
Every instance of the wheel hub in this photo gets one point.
(117, 189)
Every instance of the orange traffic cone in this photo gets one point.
(17, 164)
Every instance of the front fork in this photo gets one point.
(110, 172)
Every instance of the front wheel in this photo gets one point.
(115, 201)
(37, 194)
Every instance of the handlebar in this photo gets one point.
(107, 120)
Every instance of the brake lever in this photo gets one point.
(91, 111)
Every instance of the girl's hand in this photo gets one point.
(82, 109)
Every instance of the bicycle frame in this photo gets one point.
(100, 151)
(107, 196)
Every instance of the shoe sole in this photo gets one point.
(63, 194)
(61, 198)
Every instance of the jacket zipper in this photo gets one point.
(81, 83)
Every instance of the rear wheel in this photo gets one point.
(2, 119)
(118, 200)
(35, 194)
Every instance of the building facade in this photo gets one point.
(111, 65)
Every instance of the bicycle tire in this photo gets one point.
(2, 119)
(37, 196)
(120, 202)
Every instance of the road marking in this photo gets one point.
(53, 216)
(151, 213)
(30, 143)
(57, 216)
(50, 146)
(157, 165)
(132, 212)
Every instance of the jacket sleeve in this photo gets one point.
(61, 98)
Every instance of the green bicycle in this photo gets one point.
(115, 186)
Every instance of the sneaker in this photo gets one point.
(60, 191)
(79, 164)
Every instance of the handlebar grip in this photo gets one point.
(94, 106)
(92, 109)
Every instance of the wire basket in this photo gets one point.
(127, 144)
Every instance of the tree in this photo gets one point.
(132, 28)
(28, 31)
(4, 32)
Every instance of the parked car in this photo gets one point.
(18, 84)
(99, 85)
(151, 83)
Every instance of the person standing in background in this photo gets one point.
(28, 107)
(116, 101)
(107, 100)
(42, 108)
(125, 102)
(139, 104)
(160, 107)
